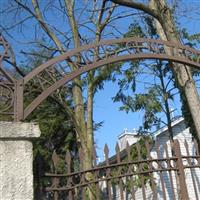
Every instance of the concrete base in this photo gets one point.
(16, 157)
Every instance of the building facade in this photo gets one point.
(168, 188)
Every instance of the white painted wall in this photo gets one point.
(130, 137)
(182, 134)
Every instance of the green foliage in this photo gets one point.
(192, 41)
(156, 92)
(151, 29)
(57, 128)
(142, 31)
(187, 115)
(136, 154)
(104, 74)
(57, 134)
(144, 156)
(134, 30)
(149, 102)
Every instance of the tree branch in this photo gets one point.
(38, 16)
(139, 6)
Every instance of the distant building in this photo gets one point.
(161, 137)
(130, 137)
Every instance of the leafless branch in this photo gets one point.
(137, 5)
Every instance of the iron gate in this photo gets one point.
(134, 173)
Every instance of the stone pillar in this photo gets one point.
(16, 160)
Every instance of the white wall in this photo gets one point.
(182, 134)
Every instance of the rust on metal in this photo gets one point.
(181, 172)
(126, 176)
(109, 52)
(60, 70)
(7, 83)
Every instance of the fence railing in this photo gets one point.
(141, 171)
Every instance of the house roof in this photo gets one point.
(158, 132)
(126, 132)
(162, 130)
(112, 159)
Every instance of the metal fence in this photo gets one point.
(142, 171)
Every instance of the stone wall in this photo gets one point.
(16, 160)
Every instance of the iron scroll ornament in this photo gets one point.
(6, 97)
(7, 82)
(62, 69)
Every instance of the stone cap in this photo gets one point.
(19, 130)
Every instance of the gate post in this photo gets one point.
(16, 160)
(181, 173)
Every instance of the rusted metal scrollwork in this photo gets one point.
(6, 97)
(125, 175)
(60, 70)
(7, 83)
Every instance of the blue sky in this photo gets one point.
(116, 121)
(104, 109)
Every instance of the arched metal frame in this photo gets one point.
(7, 82)
(62, 69)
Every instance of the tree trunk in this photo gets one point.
(182, 73)
(166, 103)
(86, 135)
(159, 10)
(167, 31)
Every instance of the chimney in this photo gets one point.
(127, 136)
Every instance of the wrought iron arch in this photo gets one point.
(7, 82)
(62, 69)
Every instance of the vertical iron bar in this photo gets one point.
(160, 167)
(130, 169)
(170, 172)
(117, 150)
(181, 173)
(18, 103)
(197, 157)
(150, 166)
(197, 151)
(108, 183)
(191, 170)
(138, 147)
(96, 174)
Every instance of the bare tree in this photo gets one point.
(94, 17)
(167, 30)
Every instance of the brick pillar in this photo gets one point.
(16, 160)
